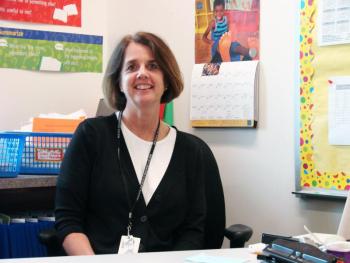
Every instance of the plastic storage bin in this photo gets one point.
(11, 148)
(43, 152)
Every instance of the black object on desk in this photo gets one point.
(269, 238)
(282, 250)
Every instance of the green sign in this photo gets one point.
(50, 51)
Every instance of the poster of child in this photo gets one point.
(226, 30)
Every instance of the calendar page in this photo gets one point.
(224, 94)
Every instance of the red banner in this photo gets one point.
(57, 12)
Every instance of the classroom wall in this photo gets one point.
(257, 165)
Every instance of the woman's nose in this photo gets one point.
(142, 73)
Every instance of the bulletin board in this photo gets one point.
(323, 166)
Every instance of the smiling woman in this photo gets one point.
(141, 79)
(163, 57)
(129, 180)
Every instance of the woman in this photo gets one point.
(130, 174)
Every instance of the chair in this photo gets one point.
(49, 239)
(103, 109)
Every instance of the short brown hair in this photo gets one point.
(162, 54)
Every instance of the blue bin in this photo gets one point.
(43, 152)
(11, 149)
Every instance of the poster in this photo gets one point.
(50, 51)
(323, 165)
(226, 30)
(57, 12)
(333, 22)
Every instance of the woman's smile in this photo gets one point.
(143, 86)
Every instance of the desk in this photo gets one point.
(154, 257)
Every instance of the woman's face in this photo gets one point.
(142, 80)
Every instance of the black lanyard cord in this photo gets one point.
(154, 142)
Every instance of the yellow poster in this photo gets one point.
(322, 165)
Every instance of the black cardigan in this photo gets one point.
(91, 197)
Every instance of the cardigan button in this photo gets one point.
(143, 219)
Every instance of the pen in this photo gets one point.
(313, 236)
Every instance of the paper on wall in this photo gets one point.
(60, 14)
(333, 22)
(71, 9)
(50, 64)
(224, 92)
(339, 111)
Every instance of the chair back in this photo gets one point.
(103, 109)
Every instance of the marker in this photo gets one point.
(315, 238)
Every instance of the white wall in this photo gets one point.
(257, 165)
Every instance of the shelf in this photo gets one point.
(27, 194)
(28, 181)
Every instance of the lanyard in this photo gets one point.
(149, 158)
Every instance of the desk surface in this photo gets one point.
(156, 257)
(28, 181)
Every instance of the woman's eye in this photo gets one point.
(153, 66)
(130, 67)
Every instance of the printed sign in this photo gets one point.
(57, 12)
(50, 51)
(48, 155)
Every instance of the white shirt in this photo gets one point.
(139, 150)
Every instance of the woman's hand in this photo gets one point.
(77, 244)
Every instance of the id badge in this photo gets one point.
(129, 244)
